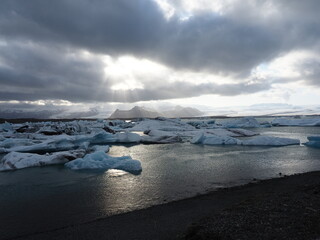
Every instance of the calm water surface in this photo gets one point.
(39, 199)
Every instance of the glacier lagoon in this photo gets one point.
(43, 198)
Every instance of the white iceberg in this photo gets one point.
(17, 160)
(308, 121)
(247, 122)
(6, 127)
(101, 160)
(202, 138)
(48, 146)
(127, 137)
(202, 124)
(162, 124)
(270, 141)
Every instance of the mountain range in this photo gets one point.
(141, 112)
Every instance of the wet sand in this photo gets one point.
(286, 207)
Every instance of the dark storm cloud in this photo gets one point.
(41, 39)
(225, 44)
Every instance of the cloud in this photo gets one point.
(52, 50)
(230, 43)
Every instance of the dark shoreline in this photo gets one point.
(292, 205)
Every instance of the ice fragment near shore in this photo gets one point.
(101, 160)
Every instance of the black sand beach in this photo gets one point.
(282, 208)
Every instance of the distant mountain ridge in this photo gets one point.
(140, 112)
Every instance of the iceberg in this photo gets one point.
(202, 124)
(201, 138)
(17, 160)
(101, 160)
(314, 144)
(13, 142)
(127, 137)
(314, 141)
(296, 122)
(160, 137)
(6, 127)
(162, 124)
(314, 138)
(247, 122)
(103, 148)
(270, 141)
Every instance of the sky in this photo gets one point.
(78, 58)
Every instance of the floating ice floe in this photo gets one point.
(160, 137)
(6, 127)
(296, 121)
(202, 124)
(233, 132)
(314, 141)
(13, 142)
(65, 142)
(17, 160)
(103, 148)
(206, 139)
(247, 122)
(202, 138)
(101, 160)
(162, 124)
(127, 137)
(270, 141)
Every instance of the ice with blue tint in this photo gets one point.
(127, 137)
(314, 138)
(17, 160)
(202, 138)
(314, 141)
(205, 139)
(101, 160)
(246, 122)
(65, 142)
(104, 148)
(305, 121)
(270, 141)
(6, 127)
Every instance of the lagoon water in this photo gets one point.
(45, 198)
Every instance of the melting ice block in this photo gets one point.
(6, 127)
(247, 122)
(314, 141)
(17, 160)
(127, 137)
(296, 122)
(270, 141)
(101, 160)
(201, 138)
(104, 148)
(314, 138)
